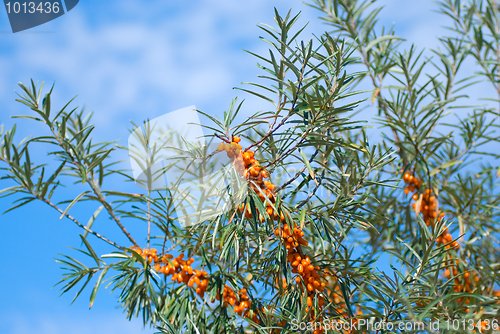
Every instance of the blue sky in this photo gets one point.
(130, 60)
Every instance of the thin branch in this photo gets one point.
(78, 223)
(94, 187)
(273, 129)
(313, 192)
(67, 215)
(297, 174)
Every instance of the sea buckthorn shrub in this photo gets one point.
(357, 203)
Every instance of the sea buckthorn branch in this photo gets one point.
(88, 230)
(291, 149)
(180, 269)
(273, 129)
(490, 13)
(182, 272)
(308, 277)
(349, 26)
(71, 152)
(427, 204)
(311, 194)
(296, 176)
(68, 148)
(40, 195)
(296, 257)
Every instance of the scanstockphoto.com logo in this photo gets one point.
(171, 155)
(28, 14)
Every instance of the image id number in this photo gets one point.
(32, 8)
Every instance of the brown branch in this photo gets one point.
(383, 106)
(67, 215)
(273, 129)
(110, 210)
(149, 218)
(95, 188)
(78, 223)
(313, 192)
(297, 174)
(352, 30)
(300, 141)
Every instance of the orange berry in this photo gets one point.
(236, 139)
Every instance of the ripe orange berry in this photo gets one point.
(236, 139)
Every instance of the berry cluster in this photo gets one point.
(150, 255)
(180, 269)
(308, 276)
(429, 207)
(241, 303)
(466, 282)
(412, 183)
(426, 203)
(463, 283)
(249, 168)
(446, 238)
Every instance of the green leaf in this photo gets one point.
(308, 165)
(73, 202)
(92, 219)
(436, 170)
(97, 285)
(381, 39)
(91, 251)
